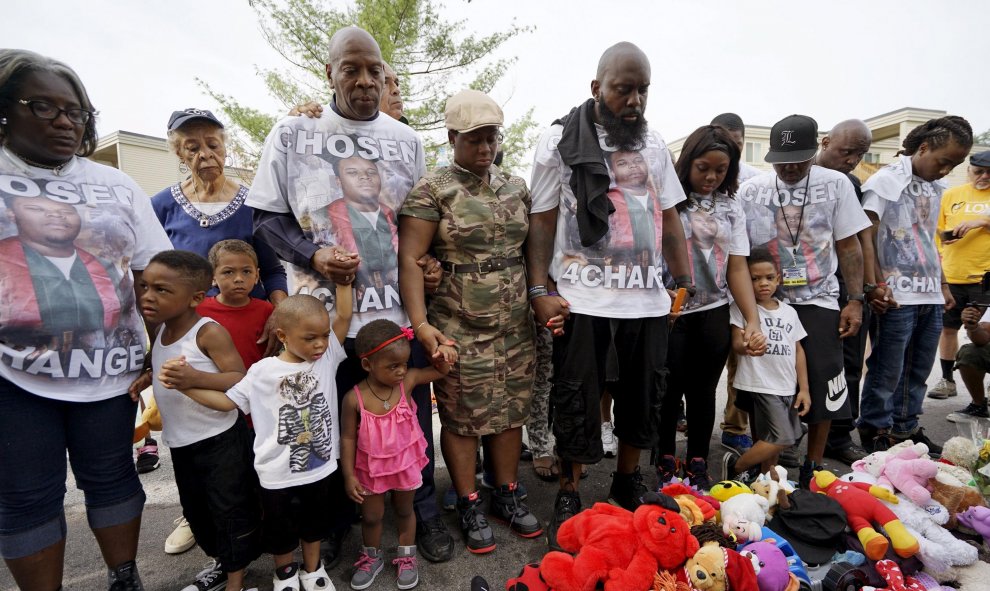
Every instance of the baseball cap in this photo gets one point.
(813, 525)
(180, 118)
(471, 109)
(793, 139)
(980, 159)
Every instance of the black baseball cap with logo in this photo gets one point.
(793, 139)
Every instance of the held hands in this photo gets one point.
(755, 340)
(551, 311)
(881, 299)
(432, 272)
(445, 356)
(336, 263)
(354, 489)
(802, 402)
(438, 345)
(176, 374)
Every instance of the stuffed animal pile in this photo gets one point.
(916, 525)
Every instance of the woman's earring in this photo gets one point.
(183, 169)
(3, 121)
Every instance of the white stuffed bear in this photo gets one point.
(972, 577)
(938, 549)
(743, 516)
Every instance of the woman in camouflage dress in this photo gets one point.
(475, 218)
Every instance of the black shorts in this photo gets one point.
(297, 513)
(826, 366)
(773, 419)
(963, 294)
(580, 368)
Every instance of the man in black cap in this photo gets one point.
(808, 217)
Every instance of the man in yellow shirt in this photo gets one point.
(965, 212)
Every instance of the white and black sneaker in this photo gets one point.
(211, 578)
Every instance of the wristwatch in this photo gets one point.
(868, 287)
(856, 297)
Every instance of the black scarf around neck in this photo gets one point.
(579, 148)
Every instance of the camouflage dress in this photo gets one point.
(490, 387)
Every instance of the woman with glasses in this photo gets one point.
(74, 238)
(474, 217)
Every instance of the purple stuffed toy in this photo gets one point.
(772, 573)
(977, 518)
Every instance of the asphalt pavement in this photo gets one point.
(84, 568)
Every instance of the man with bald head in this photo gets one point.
(302, 230)
(842, 150)
(617, 304)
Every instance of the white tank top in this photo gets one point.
(185, 421)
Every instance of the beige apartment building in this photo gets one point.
(889, 130)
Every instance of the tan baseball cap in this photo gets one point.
(472, 109)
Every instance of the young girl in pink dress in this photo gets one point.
(382, 447)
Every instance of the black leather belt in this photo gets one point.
(493, 264)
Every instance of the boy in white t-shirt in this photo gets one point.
(766, 380)
(292, 399)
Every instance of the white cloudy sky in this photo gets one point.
(831, 59)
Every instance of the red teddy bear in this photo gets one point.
(622, 549)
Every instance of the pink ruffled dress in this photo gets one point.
(391, 448)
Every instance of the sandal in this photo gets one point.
(546, 468)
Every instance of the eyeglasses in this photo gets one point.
(49, 112)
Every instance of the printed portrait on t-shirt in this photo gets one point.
(360, 222)
(67, 303)
(305, 423)
(906, 241)
(708, 232)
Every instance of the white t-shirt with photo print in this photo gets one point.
(721, 217)
(907, 207)
(775, 372)
(820, 209)
(620, 275)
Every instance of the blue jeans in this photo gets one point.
(898, 368)
(35, 434)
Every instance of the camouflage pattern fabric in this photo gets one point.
(487, 314)
(538, 427)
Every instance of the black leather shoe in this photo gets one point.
(847, 455)
(433, 541)
(330, 548)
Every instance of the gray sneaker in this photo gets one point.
(943, 389)
(370, 562)
(408, 573)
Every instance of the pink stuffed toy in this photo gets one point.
(908, 471)
(978, 519)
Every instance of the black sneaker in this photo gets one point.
(567, 505)
(729, 465)
(627, 490)
(211, 578)
(433, 541)
(330, 547)
(478, 535)
(971, 412)
(506, 506)
(697, 473)
(668, 470)
(847, 455)
(124, 578)
(147, 456)
(919, 436)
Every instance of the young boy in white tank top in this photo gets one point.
(211, 450)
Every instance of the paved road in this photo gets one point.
(162, 572)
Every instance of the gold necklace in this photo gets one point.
(385, 400)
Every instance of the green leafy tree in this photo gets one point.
(982, 139)
(432, 56)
